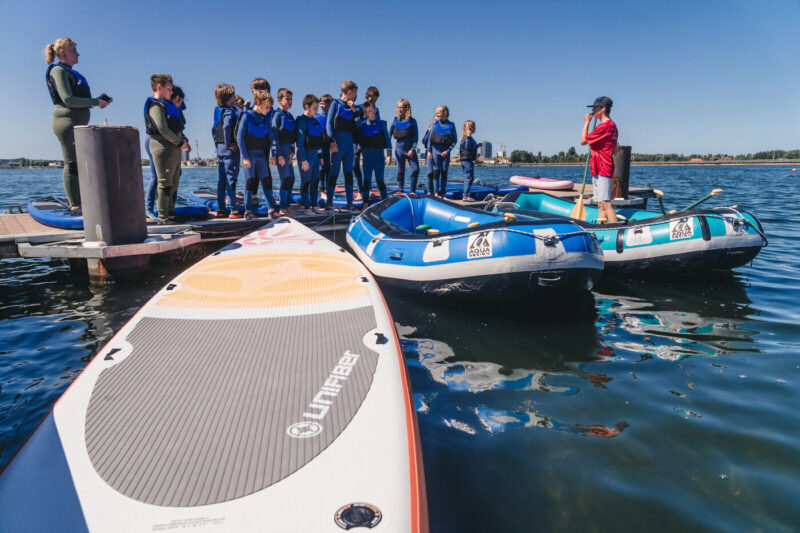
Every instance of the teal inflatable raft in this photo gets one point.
(648, 242)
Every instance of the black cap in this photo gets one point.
(603, 101)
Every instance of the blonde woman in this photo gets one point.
(406, 134)
(468, 153)
(72, 99)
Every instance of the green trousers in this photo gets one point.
(64, 119)
(167, 164)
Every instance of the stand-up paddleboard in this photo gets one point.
(538, 182)
(263, 389)
(54, 212)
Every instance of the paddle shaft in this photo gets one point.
(703, 199)
(588, 157)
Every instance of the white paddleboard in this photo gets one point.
(263, 389)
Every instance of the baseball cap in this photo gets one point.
(603, 101)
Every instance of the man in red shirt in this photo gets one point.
(602, 142)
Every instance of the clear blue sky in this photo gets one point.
(685, 76)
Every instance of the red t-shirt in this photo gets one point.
(602, 142)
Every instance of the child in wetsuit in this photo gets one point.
(343, 121)
(374, 141)
(325, 154)
(284, 130)
(371, 97)
(468, 153)
(254, 139)
(311, 137)
(441, 142)
(224, 131)
(405, 132)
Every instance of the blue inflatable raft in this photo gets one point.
(649, 242)
(436, 247)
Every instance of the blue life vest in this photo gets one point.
(371, 135)
(344, 119)
(175, 120)
(468, 151)
(315, 134)
(404, 129)
(218, 130)
(256, 135)
(287, 132)
(79, 88)
(443, 134)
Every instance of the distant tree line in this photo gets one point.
(572, 156)
(23, 162)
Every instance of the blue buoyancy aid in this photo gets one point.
(175, 120)
(256, 135)
(404, 129)
(443, 134)
(79, 88)
(217, 130)
(315, 134)
(468, 150)
(344, 119)
(371, 135)
(287, 131)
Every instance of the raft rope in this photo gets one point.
(638, 224)
(548, 240)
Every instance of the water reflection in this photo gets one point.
(705, 316)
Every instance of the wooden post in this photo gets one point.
(112, 196)
(622, 172)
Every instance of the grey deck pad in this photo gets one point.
(198, 413)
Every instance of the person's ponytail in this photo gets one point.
(49, 53)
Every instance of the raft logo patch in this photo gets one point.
(682, 228)
(479, 245)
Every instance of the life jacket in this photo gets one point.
(315, 136)
(256, 137)
(344, 119)
(371, 135)
(80, 87)
(443, 134)
(404, 129)
(468, 150)
(174, 118)
(287, 132)
(218, 130)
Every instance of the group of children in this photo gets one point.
(331, 136)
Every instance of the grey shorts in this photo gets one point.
(601, 187)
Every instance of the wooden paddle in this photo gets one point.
(579, 212)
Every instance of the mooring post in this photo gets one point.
(112, 197)
(622, 172)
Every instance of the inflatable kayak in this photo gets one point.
(437, 247)
(538, 182)
(264, 389)
(55, 212)
(650, 242)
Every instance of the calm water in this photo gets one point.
(668, 404)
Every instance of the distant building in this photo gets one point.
(485, 151)
(184, 155)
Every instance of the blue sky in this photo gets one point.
(699, 76)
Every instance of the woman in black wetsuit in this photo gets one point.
(72, 99)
